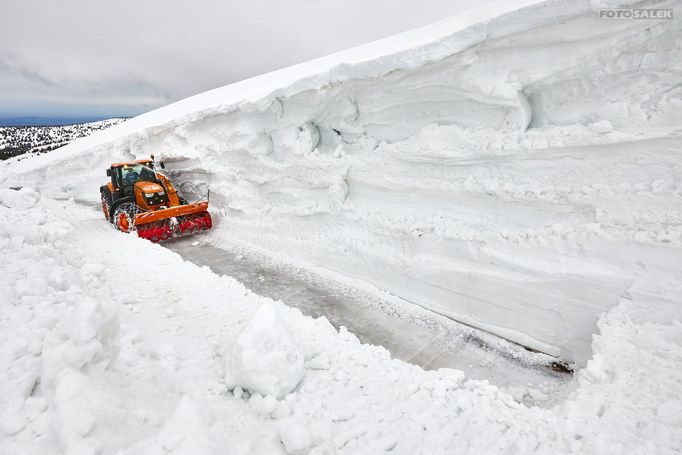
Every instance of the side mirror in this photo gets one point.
(163, 166)
(108, 172)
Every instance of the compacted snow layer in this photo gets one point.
(513, 172)
(110, 344)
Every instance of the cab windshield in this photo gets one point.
(132, 174)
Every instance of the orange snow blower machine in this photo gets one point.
(140, 199)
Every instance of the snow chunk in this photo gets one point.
(264, 357)
(308, 138)
(338, 189)
(670, 412)
(319, 362)
(21, 199)
(12, 424)
(89, 334)
(301, 140)
(74, 398)
(602, 126)
(183, 434)
(294, 436)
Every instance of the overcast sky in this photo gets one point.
(124, 57)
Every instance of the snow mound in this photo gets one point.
(89, 335)
(55, 326)
(21, 199)
(183, 434)
(294, 436)
(338, 189)
(264, 357)
(75, 412)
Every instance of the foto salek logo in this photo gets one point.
(634, 13)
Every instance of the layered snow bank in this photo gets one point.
(515, 172)
(95, 358)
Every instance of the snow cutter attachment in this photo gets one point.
(140, 199)
(167, 223)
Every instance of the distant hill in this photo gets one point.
(17, 140)
(47, 121)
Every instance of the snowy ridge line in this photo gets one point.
(518, 174)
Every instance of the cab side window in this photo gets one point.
(119, 177)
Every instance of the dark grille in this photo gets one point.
(156, 199)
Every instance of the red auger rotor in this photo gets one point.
(184, 225)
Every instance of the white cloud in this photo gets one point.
(131, 55)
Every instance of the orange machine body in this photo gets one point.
(139, 198)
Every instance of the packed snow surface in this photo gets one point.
(516, 168)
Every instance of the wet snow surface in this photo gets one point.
(418, 337)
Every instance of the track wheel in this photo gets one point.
(124, 217)
(106, 203)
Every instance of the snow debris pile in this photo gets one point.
(295, 436)
(338, 189)
(51, 328)
(183, 434)
(264, 358)
(20, 199)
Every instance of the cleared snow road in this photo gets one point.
(411, 334)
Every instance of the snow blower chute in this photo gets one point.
(138, 198)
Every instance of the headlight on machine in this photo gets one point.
(154, 196)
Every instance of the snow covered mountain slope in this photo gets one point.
(517, 169)
(17, 140)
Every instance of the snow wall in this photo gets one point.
(513, 168)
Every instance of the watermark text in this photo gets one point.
(634, 13)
